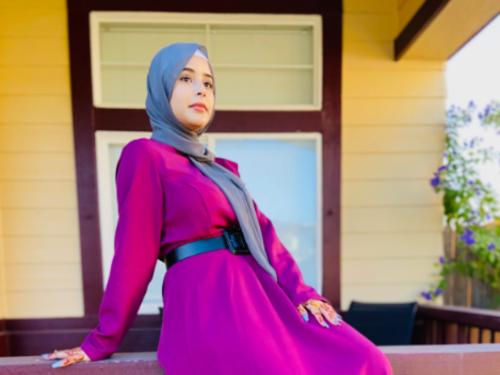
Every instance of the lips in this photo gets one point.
(199, 106)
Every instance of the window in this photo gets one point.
(261, 62)
(282, 172)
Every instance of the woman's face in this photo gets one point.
(194, 85)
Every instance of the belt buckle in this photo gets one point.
(236, 241)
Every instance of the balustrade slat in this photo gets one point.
(474, 337)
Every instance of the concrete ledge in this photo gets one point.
(118, 364)
(463, 359)
(475, 359)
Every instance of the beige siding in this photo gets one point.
(2, 262)
(40, 263)
(392, 141)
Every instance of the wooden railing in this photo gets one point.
(456, 325)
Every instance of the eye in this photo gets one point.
(182, 78)
(210, 85)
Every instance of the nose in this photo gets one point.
(200, 88)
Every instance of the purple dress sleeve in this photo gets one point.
(287, 270)
(289, 275)
(136, 249)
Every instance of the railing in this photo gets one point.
(456, 325)
(433, 326)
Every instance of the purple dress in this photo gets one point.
(223, 314)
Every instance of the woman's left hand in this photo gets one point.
(317, 308)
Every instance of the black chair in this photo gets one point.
(383, 323)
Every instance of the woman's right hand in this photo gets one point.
(67, 357)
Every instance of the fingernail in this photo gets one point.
(306, 317)
(57, 364)
(325, 324)
(45, 355)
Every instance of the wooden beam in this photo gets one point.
(420, 21)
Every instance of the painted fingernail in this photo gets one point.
(45, 355)
(57, 364)
(325, 324)
(306, 317)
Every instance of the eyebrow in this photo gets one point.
(192, 71)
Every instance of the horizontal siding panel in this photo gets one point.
(380, 55)
(38, 166)
(364, 6)
(388, 193)
(36, 138)
(42, 250)
(44, 304)
(38, 194)
(393, 139)
(32, 4)
(369, 27)
(19, 51)
(40, 222)
(33, 22)
(357, 246)
(393, 111)
(34, 80)
(391, 219)
(381, 293)
(31, 277)
(392, 83)
(388, 271)
(390, 166)
(35, 110)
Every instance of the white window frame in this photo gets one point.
(315, 21)
(104, 139)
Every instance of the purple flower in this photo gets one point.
(471, 182)
(492, 246)
(441, 260)
(438, 291)
(426, 295)
(442, 168)
(435, 181)
(468, 237)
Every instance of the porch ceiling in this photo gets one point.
(448, 29)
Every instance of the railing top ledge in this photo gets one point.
(463, 315)
(118, 363)
(441, 349)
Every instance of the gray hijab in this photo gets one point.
(164, 70)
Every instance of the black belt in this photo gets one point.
(231, 239)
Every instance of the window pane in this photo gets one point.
(259, 64)
(281, 176)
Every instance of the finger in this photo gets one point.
(313, 306)
(78, 357)
(330, 313)
(61, 354)
(303, 312)
(56, 354)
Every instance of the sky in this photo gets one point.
(473, 73)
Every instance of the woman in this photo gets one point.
(238, 311)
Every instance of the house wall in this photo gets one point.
(39, 229)
(392, 139)
(393, 116)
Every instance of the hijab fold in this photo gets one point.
(164, 70)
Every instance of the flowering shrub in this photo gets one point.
(468, 202)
